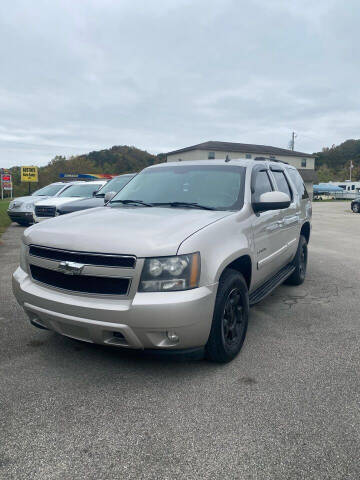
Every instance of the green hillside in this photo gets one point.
(334, 163)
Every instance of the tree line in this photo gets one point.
(334, 163)
(331, 164)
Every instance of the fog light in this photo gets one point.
(172, 337)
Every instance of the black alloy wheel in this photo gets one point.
(300, 263)
(230, 319)
(303, 260)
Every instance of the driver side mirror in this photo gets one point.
(271, 201)
(109, 196)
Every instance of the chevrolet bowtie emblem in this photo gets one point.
(70, 268)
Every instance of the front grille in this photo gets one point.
(87, 258)
(45, 211)
(81, 283)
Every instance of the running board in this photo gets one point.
(263, 291)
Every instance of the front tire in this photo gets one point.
(24, 224)
(230, 319)
(300, 263)
(356, 208)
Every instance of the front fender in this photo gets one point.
(220, 244)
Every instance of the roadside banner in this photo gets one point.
(29, 174)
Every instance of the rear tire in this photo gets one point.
(356, 208)
(230, 319)
(300, 263)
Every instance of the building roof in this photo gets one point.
(241, 148)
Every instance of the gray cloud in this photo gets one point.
(79, 76)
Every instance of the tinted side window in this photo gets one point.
(298, 182)
(262, 184)
(282, 183)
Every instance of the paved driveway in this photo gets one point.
(286, 408)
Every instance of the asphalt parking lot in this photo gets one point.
(286, 408)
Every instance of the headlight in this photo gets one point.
(23, 252)
(163, 274)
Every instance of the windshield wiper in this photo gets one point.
(183, 204)
(132, 202)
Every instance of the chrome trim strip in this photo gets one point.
(89, 270)
(95, 254)
(294, 240)
(266, 260)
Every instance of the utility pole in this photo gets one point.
(351, 167)
(292, 141)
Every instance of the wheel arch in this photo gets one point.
(305, 231)
(243, 265)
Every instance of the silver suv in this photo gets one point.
(174, 261)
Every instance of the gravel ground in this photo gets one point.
(286, 408)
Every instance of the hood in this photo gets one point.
(28, 199)
(19, 202)
(140, 231)
(57, 201)
(83, 204)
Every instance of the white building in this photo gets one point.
(304, 162)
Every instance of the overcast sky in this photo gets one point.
(82, 75)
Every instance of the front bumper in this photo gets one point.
(41, 219)
(22, 217)
(142, 322)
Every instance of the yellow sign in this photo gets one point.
(29, 174)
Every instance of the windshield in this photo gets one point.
(115, 185)
(49, 191)
(220, 187)
(85, 190)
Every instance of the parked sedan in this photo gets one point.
(21, 209)
(355, 205)
(47, 208)
(98, 200)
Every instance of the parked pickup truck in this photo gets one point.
(173, 261)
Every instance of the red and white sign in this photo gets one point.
(5, 182)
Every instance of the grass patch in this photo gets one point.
(4, 218)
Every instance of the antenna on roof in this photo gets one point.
(227, 159)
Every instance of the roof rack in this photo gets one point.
(270, 160)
